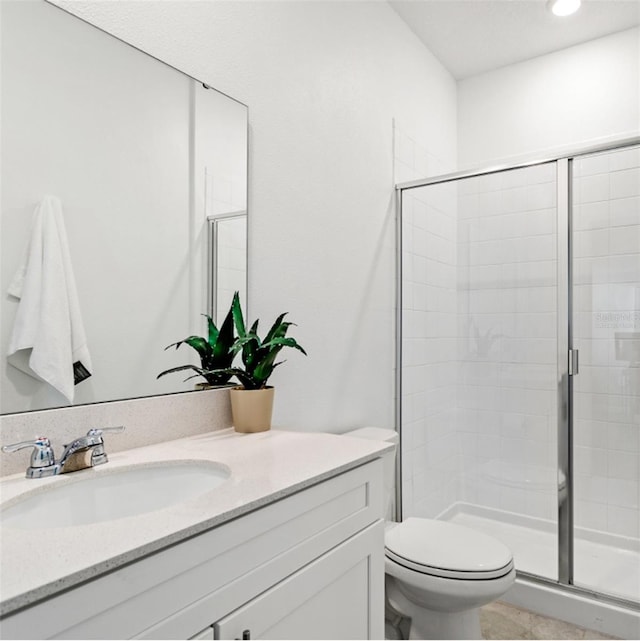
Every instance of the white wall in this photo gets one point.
(589, 92)
(323, 82)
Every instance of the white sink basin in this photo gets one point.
(96, 496)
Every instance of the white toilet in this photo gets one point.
(438, 574)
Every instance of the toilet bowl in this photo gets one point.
(438, 574)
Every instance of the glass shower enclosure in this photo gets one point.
(518, 362)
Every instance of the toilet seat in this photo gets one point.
(446, 550)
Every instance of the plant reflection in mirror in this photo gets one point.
(216, 352)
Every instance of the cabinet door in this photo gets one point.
(338, 596)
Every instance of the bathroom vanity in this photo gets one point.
(290, 545)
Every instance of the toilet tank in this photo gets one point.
(388, 460)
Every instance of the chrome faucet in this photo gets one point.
(83, 452)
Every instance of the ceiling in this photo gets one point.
(473, 36)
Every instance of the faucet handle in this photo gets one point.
(98, 455)
(43, 462)
(98, 431)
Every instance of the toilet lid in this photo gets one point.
(448, 550)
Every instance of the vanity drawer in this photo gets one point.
(179, 591)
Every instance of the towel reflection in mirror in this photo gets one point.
(48, 340)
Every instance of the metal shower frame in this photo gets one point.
(567, 355)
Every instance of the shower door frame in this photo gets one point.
(567, 356)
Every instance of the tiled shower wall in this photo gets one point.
(507, 349)
(431, 460)
(231, 263)
(607, 333)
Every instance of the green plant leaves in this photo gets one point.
(258, 356)
(236, 311)
(216, 377)
(223, 343)
(216, 351)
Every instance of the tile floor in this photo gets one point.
(501, 621)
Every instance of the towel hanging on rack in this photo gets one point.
(48, 339)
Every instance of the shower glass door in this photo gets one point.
(606, 390)
(507, 360)
(479, 354)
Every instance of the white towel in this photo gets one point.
(48, 335)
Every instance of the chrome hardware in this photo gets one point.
(42, 458)
(86, 451)
(574, 368)
(83, 452)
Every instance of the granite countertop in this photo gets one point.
(265, 467)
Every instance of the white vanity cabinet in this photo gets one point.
(308, 565)
(327, 599)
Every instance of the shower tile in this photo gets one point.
(515, 178)
(582, 270)
(541, 196)
(536, 453)
(625, 183)
(625, 211)
(614, 297)
(468, 206)
(624, 409)
(625, 159)
(593, 379)
(514, 200)
(623, 521)
(624, 437)
(582, 298)
(489, 203)
(593, 242)
(591, 460)
(624, 240)
(591, 488)
(592, 188)
(624, 380)
(591, 515)
(591, 216)
(536, 325)
(623, 493)
(540, 222)
(623, 465)
(598, 164)
(487, 446)
(625, 268)
(535, 248)
(590, 433)
(545, 173)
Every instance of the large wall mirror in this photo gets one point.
(147, 165)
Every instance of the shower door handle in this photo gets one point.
(573, 362)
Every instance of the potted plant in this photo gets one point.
(252, 401)
(216, 353)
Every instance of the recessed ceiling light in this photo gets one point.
(563, 7)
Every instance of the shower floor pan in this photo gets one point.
(610, 567)
(604, 564)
